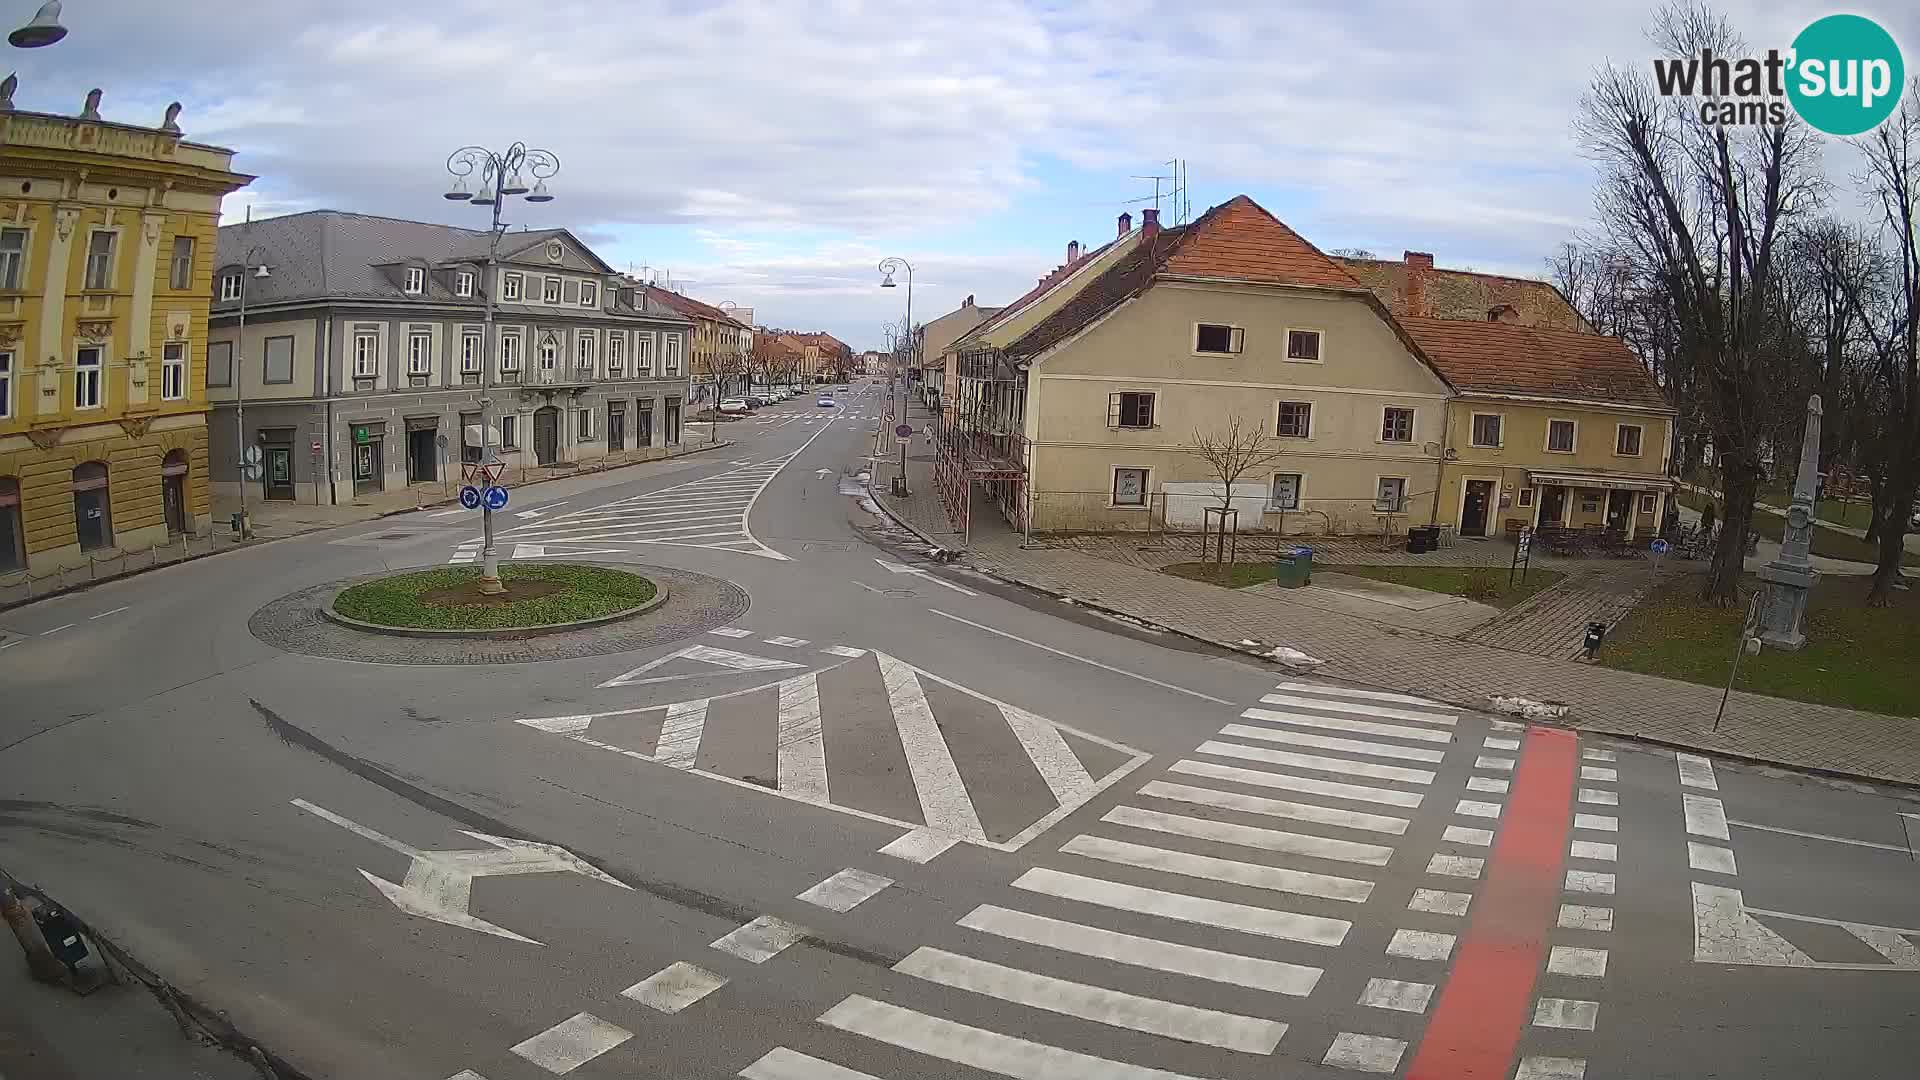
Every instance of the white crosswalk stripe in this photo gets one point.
(1294, 980)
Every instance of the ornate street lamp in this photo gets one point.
(888, 267)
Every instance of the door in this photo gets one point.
(1473, 516)
(1619, 511)
(673, 421)
(643, 425)
(1553, 506)
(616, 430)
(92, 511)
(421, 452)
(173, 491)
(546, 435)
(369, 474)
(280, 473)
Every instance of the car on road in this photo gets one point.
(824, 401)
(754, 401)
(734, 405)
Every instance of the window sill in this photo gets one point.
(1551, 450)
(1126, 506)
(1300, 360)
(1485, 446)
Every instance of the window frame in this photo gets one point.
(643, 354)
(551, 285)
(1320, 345)
(1525, 497)
(1573, 443)
(509, 436)
(1473, 430)
(177, 280)
(1399, 505)
(1279, 410)
(616, 354)
(589, 294)
(370, 354)
(173, 369)
(237, 280)
(13, 264)
(6, 383)
(548, 353)
(97, 370)
(1299, 489)
(586, 352)
(227, 382)
(583, 421)
(90, 281)
(419, 357)
(463, 284)
(1649, 502)
(1639, 439)
(1146, 487)
(671, 353)
(1413, 420)
(510, 357)
(266, 362)
(1236, 339)
(513, 288)
(473, 350)
(1117, 410)
(416, 281)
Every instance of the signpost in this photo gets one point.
(1659, 547)
(903, 434)
(495, 498)
(1522, 556)
(470, 497)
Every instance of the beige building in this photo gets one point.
(936, 343)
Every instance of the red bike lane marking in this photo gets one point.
(1483, 1007)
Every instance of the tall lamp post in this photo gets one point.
(502, 175)
(889, 267)
(250, 267)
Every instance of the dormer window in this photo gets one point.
(230, 286)
(589, 294)
(416, 280)
(463, 283)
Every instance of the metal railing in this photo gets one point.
(24, 586)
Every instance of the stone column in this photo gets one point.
(1790, 577)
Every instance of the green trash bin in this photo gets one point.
(1293, 568)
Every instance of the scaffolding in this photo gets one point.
(981, 439)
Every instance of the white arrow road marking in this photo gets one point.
(900, 568)
(704, 654)
(450, 513)
(439, 884)
(823, 472)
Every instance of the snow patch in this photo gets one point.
(1292, 657)
(1514, 705)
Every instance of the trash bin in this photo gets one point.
(1595, 637)
(1422, 539)
(1293, 568)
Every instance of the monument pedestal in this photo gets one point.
(1783, 608)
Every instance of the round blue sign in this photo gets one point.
(904, 431)
(470, 497)
(496, 498)
(1660, 547)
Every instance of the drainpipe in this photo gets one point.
(1440, 467)
(333, 491)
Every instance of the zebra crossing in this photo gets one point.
(866, 734)
(708, 513)
(1202, 926)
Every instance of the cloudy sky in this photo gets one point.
(770, 153)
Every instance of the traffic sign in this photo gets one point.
(904, 431)
(496, 498)
(440, 440)
(901, 440)
(1660, 546)
(470, 497)
(250, 471)
(250, 454)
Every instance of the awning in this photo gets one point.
(1604, 481)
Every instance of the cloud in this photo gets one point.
(785, 135)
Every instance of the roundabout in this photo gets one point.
(540, 598)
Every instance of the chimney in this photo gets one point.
(1149, 223)
(1126, 224)
(1418, 263)
(1073, 252)
(969, 302)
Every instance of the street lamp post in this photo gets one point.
(888, 267)
(250, 267)
(502, 175)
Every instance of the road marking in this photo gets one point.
(1382, 711)
(761, 940)
(1358, 727)
(1487, 784)
(1265, 922)
(730, 631)
(1589, 772)
(1725, 821)
(1114, 1008)
(1226, 832)
(1317, 763)
(1598, 797)
(1597, 755)
(989, 1051)
(1460, 834)
(801, 741)
(1233, 969)
(786, 642)
(1591, 849)
(871, 589)
(781, 1063)
(104, 614)
(1365, 1053)
(1589, 881)
(12, 643)
(1596, 822)
(450, 513)
(1461, 866)
(699, 654)
(1566, 1013)
(1209, 868)
(1440, 902)
(1696, 772)
(571, 1043)
(1710, 857)
(679, 742)
(845, 890)
(1492, 743)
(1396, 995)
(1705, 817)
(901, 568)
(1581, 963)
(1082, 659)
(1551, 1068)
(1369, 695)
(674, 987)
(1583, 917)
(944, 804)
(844, 650)
(919, 846)
(1480, 1015)
(1475, 808)
(57, 629)
(1304, 784)
(1328, 742)
(1254, 804)
(1420, 945)
(1497, 764)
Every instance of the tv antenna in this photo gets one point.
(1170, 189)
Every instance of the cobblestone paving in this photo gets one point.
(1553, 622)
(695, 604)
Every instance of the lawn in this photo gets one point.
(1827, 542)
(1488, 585)
(1856, 657)
(436, 600)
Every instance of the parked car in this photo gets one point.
(824, 401)
(754, 401)
(734, 405)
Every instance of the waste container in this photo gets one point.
(1293, 568)
(1422, 539)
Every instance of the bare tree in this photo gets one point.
(1231, 452)
(1704, 208)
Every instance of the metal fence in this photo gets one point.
(1056, 511)
(24, 586)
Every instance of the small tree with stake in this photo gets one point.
(1231, 452)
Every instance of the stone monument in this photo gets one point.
(1790, 577)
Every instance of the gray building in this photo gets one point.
(361, 367)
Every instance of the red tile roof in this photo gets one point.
(1465, 294)
(1239, 240)
(1507, 358)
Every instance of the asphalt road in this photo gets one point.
(887, 819)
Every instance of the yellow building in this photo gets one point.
(106, 266)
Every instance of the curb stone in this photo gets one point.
(504, 633)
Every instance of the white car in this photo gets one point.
(733, 405)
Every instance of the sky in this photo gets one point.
(771, 153)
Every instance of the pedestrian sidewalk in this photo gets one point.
(1463, 673)
(118, 1031)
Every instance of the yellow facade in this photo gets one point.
(107, 238)
(1554, 464)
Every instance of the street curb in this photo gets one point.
(722, 445)
(902, 522)
(510, 633)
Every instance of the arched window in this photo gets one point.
(92, 509)
(13, 533)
